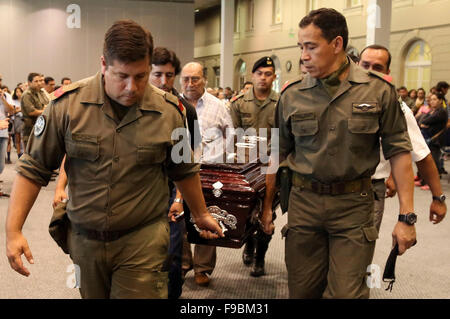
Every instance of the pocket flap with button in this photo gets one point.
(83, 146)
(370, 233)
(304, 126)
(152, 154)
(363, 126)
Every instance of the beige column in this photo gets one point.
(226, 43)
(379, 14)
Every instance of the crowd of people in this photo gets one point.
(117, 164)
(20, 109)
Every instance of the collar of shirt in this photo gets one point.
(355, 75)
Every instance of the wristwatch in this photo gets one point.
(440, 198)
(178, 200)
(409, 218)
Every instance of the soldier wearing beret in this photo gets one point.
(330, 123)
(256, 109)
(115, 129)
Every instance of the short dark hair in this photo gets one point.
(402, 88)
(126, 41)
(379, 47)
(247, 82)
(32, 75)
(442, 85)
(162, 56)
(48, 79)
(330, 22)
(65, 78)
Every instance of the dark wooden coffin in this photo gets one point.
(237, 202)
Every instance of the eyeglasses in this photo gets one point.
(193, 79)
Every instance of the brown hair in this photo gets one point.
(126, 41)
(162, 56)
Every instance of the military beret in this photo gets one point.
(263, 62)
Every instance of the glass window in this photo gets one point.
(418, 66)
(276, 11)
(250, 15)
(237, 18)
(353, 3)
(276, 85)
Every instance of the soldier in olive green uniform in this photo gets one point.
(330, 125)
(115, 130)
(32, 104)
(256, 109)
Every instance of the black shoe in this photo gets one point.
(247, 257)
(258, 269)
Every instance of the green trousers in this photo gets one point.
(330, 242)
(129, 267)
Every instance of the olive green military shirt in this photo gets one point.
(117, 170)
(337, 138)
(247, 111)
(31, 101)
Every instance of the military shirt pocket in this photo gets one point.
(304, 124)
(151, 154)
(83, 146)
(247, 120)
(367, 125)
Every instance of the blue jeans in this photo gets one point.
(175, 251)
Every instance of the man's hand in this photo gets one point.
(404, 235)
(175, 210)
(437, 211)
(60, 196)
(16, 245)
(267, 224)
(391, 190)
(209, 226)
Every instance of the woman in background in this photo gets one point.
(18, 121)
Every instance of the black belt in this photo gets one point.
(106, 235)
(377, 180)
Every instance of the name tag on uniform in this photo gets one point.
(365, 107)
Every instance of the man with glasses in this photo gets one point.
(256, 109)
(214, 120)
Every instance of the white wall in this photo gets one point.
(35, 38)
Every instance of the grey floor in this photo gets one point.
(421, 273)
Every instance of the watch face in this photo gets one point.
(411, 218)
(442, 198)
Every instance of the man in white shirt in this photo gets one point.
(377, 58)
(214, 120)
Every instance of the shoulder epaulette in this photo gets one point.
(172, 99)
(237, 97)
(386, 77)
(289, 83)
(63, 90)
